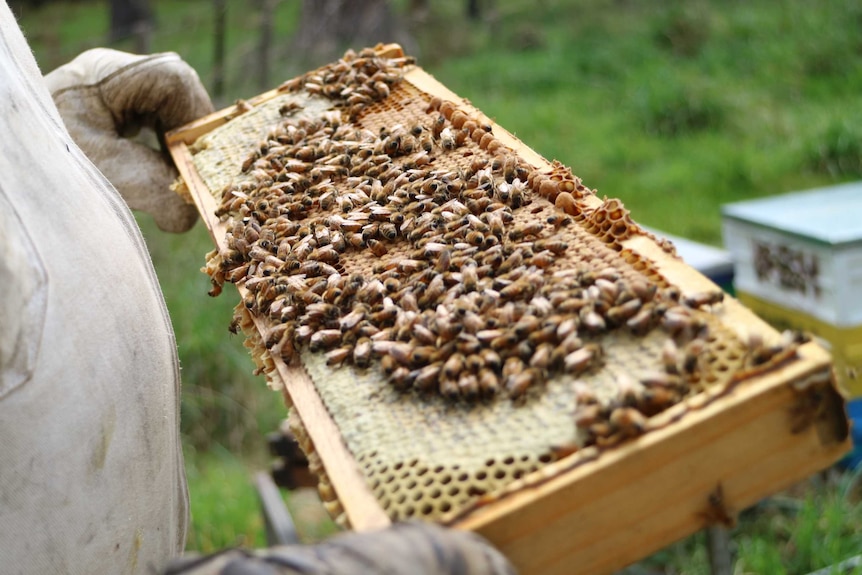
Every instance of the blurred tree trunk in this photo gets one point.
(328, 27)
(132, 18)
(266, 9)
(473, 12)
(219, 43)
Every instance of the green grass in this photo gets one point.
(813, 526)
(224, 505)
(676, 108)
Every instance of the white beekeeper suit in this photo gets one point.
(91, 472)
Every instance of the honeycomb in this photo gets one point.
(466, 316)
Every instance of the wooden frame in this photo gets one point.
(594, 512)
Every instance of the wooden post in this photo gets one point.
(718, 549)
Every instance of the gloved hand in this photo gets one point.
(106, 96)
(414, 548)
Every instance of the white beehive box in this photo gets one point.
(798, 264)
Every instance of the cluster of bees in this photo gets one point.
(355, 81)
(417, 249)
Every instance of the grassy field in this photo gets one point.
(676, 108)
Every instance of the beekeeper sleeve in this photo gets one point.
(91, 474)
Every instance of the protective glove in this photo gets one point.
(414, 548)
(106, 96)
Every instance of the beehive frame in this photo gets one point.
(597, 510)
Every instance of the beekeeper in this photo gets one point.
(91, 472)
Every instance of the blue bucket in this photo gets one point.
(854, 412)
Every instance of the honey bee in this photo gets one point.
(656, 399)
(449, 388)
(526, 325)
(504, 342)
(467, 343)
(377, 247)
(579, 360)
(312, 268)
(518, 384)
(382, 89)
(641, 322)
(411, 266)
(452, 366)
(435, 289)
(491, 359)
(587, 415)
(531, 229)
(352, 319)
(408, 301)
(692, 357)
(362, 352)
(515, 259)
(698, 300)
(623, 312)
(628, 421)
(447, 139)
(678, 320)
(470, 276)
(473, 322)
(388, 364)
(660, 380)
(438, 125)
(473, 363)
(542, 259)
(320, 312)
(629, 390)
(543, 355)
(337, 356)
(274, 334)
(422, 355)
(512, 367)
(326, 254)
(324, 339)
(401, 378)
(489, 383)
(591, 321)
(427, 377)
(468, 385)
(424, 335)
(670, 357)
(291, 85)
(337, 241)
(547, 334)
(475, 237)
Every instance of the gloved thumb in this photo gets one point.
(105, 95)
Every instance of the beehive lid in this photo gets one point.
(829, 216)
